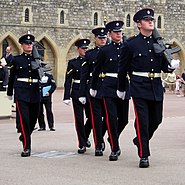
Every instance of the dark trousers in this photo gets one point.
(122, 112)
(98, 123)
(116, 115)
(49, 114)
(82, 130)
(148, 117)
(27, 116)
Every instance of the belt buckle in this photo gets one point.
(151, 75)
(102, 75)
(30, 80)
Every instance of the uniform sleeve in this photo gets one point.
(68, 81)
(11, 79)
(99, 62)
(123, 66)
(84, 75)
(164, 66)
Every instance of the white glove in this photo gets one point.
(82, 100)
(121, 94)
(10, 97)
(67, 102)
(93, 92)
(44, 79)
(175, 63)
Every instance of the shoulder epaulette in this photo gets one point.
(68, 72)
(84, 63)
(131, 38)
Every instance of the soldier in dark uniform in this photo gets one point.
(3, 77)
(144, 66)
(116, 110)
(96, 103)
(25, 83)
(46, 100)
(71, 89)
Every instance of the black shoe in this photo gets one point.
(82, 150)
(144, 162)
(41, 129)
(118, 152)
(113, 156)
(88, 144)
(52, 129)
(26, 153)
(98, 152)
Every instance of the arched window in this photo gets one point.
(27, 14)
(128, 21)
(95, 19)
(62, 17)
(159, 22)
(5, 45)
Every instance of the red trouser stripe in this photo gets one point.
(108, 123)
(21, 124)
(138, 131)
(93, 124)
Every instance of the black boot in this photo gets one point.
(144, 162)
(26, 153)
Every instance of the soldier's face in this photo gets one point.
(146, 24)
(82, 51)
(27, 48)
(100, 41)
(116, 36)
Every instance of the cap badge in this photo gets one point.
(148, 12)
(117, 24)
(28, 37)
(84, 41)
(102, 30)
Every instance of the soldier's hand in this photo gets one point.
(10, 97)
(121, 94)
(67, 102)
(82, 100)
(93, 92)
(175, 63)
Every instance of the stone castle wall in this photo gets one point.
(59, 39)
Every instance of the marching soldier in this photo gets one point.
(25, 82)
(95, 103)
(144, 66)
(71, 89)
(116, 110)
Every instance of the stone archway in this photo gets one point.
(50, 53)
(67, 53)
(180, 55)
(12, 41)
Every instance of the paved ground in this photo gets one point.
(54, 160)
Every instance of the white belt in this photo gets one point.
(76, 81)
(103, 75)
(29, 80)
(147, 74)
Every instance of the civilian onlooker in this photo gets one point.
(183, 82)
